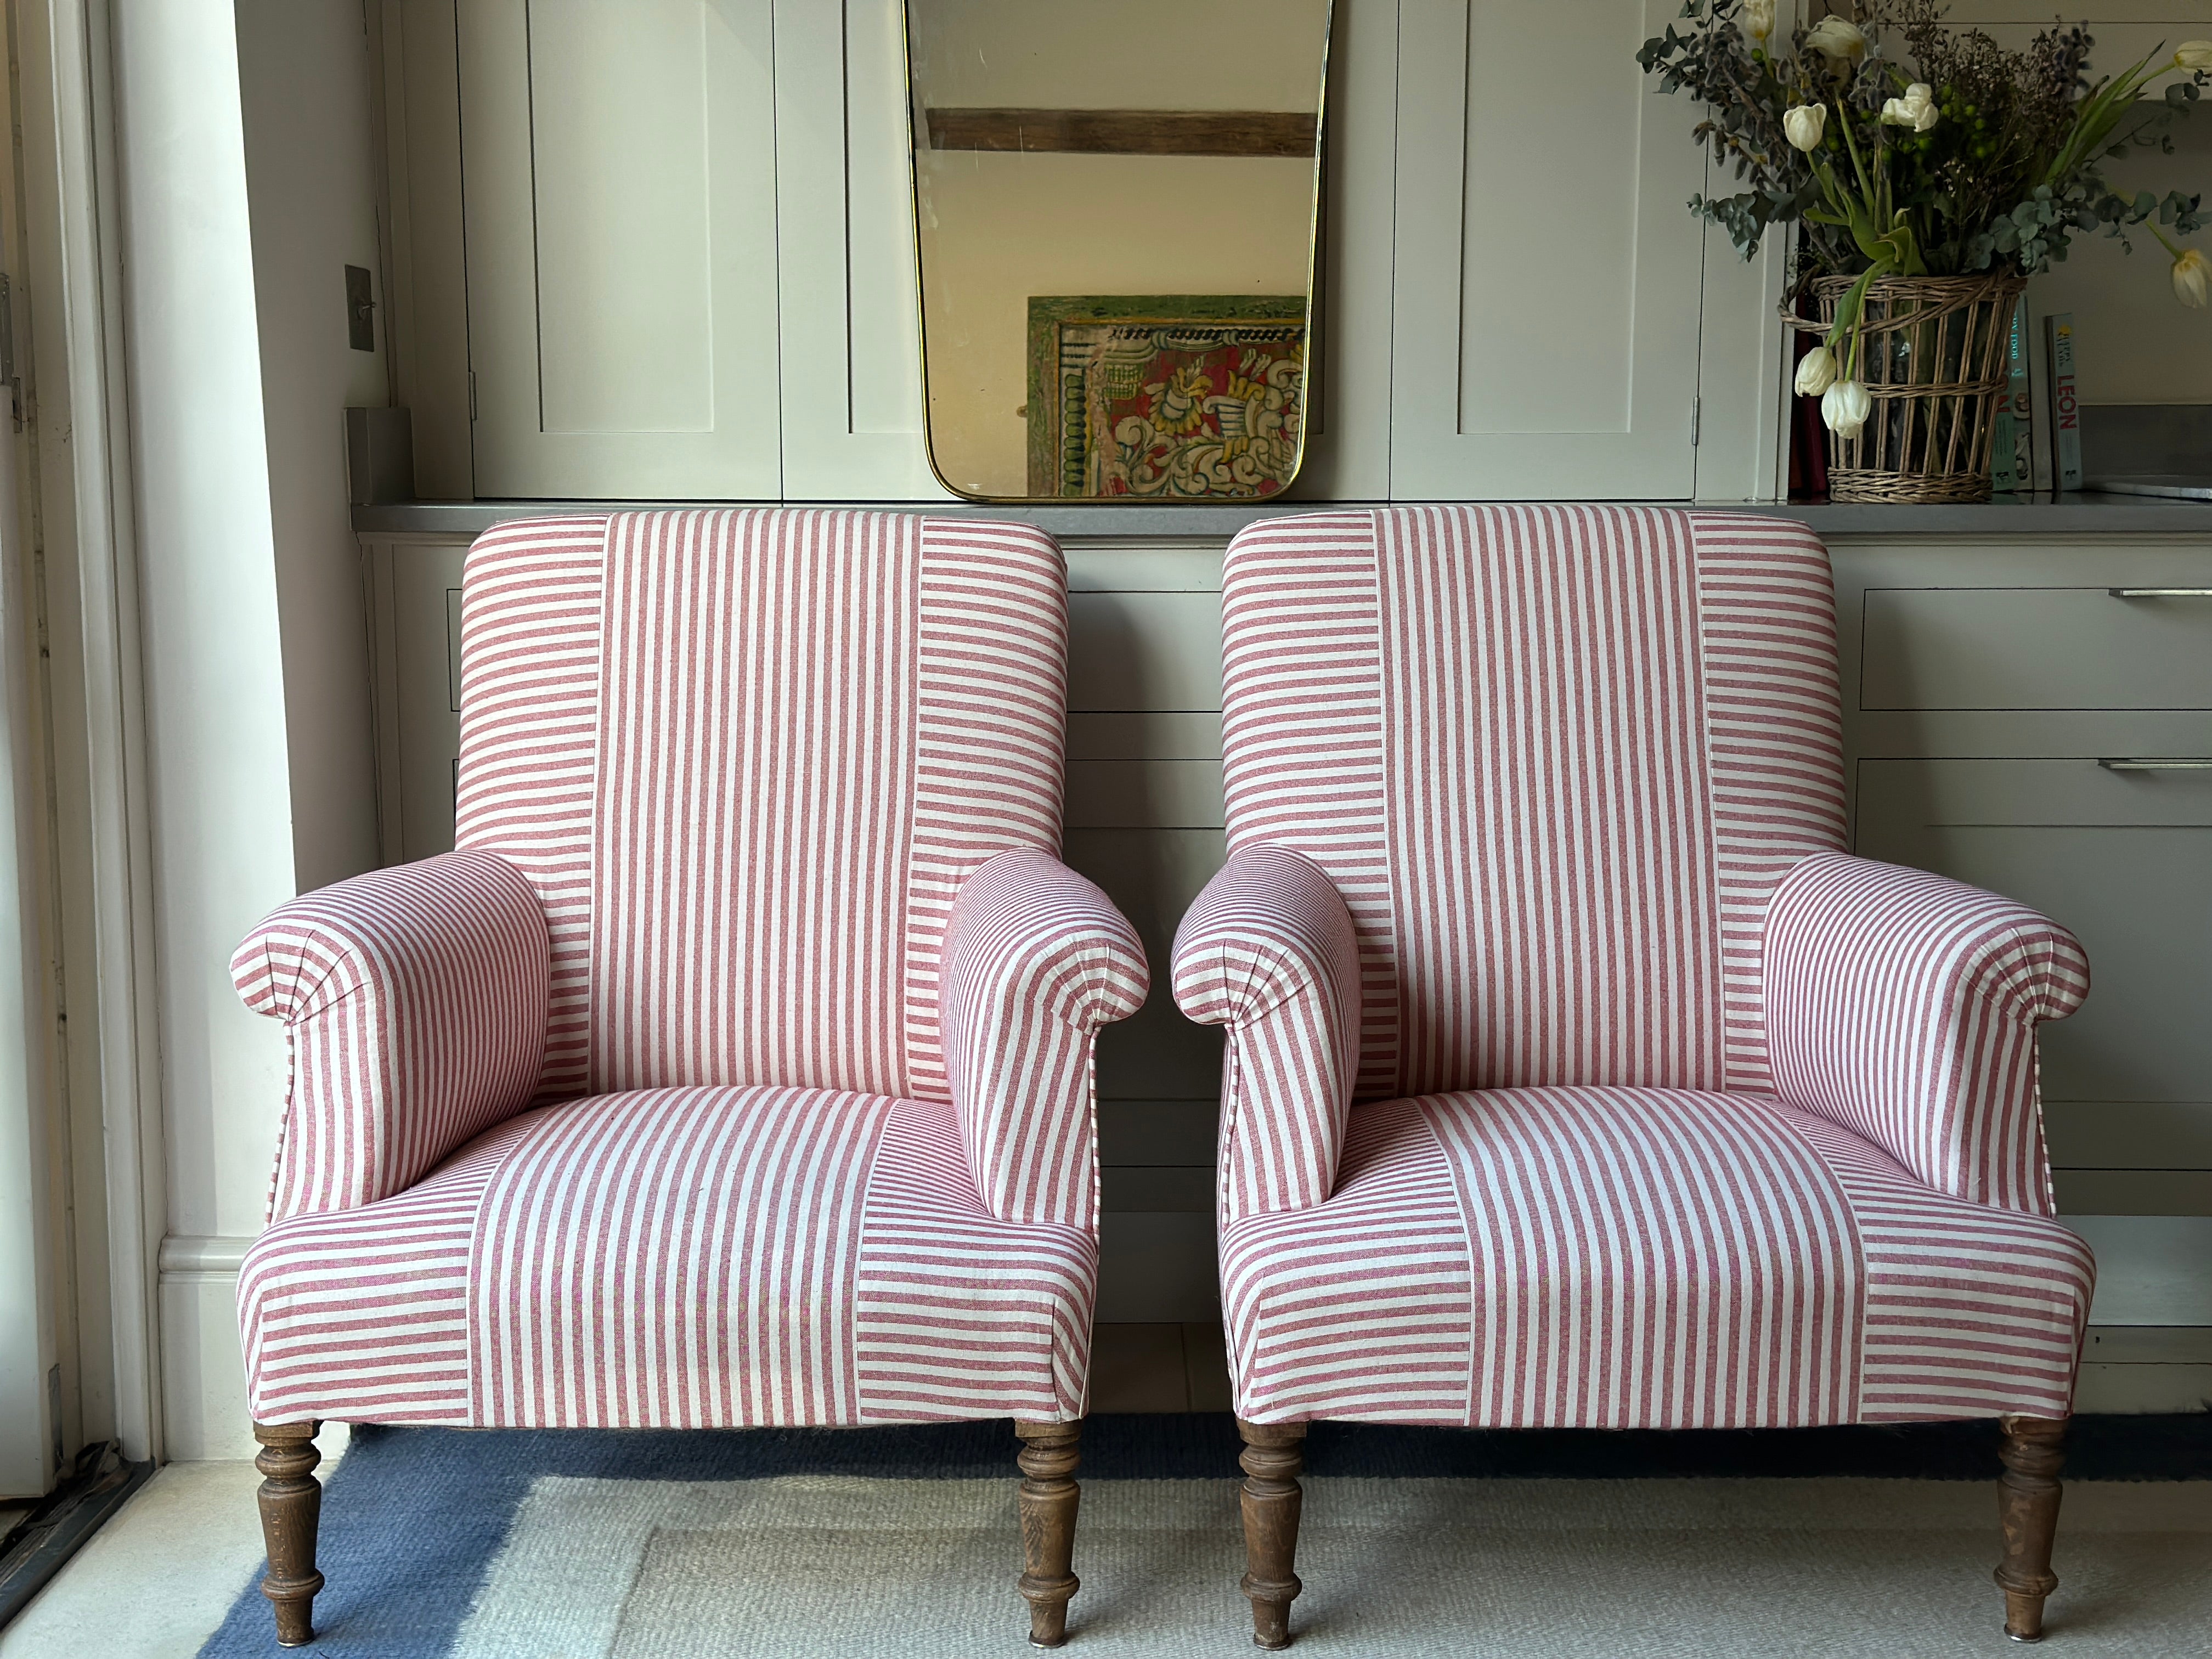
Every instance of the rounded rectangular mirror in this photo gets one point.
(1115, 210)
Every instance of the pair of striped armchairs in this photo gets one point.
(736, 1069)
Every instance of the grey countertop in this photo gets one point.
(2063, 515)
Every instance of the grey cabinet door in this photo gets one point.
(2036, 648)
(415, 608)
(2125, 859)
(620, 216)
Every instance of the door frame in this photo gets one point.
(78, 413)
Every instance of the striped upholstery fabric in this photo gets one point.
(1642, 1258)
(756, 980)
(1021, 1009)
(747, 759)
(416, 999)
(1672, 1112)
(1905, 1006)
(1269, 951)
(678, 1258)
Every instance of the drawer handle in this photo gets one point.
(2147, 763)
(2160, 592)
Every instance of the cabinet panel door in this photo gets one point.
(1545, 339)
(619, 165)
(2124, 861)
(2035, 648)
(850, 323)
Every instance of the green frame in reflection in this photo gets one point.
(1159, 397)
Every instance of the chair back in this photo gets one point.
(1556, 759)
(747, 756)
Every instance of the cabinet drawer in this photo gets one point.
(2035, 648)
(2123, 859)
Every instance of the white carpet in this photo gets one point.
(866, 1569)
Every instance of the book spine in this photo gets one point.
(2012, 454)
(2065, 409)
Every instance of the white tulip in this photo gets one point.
(1759, 19)
(1916, 109)
(2192, 278)
(1804, 124)
(1845, 407)
(1838, 40)
(2193, 55)
(1816, 371)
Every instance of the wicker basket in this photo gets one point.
(1934, 362)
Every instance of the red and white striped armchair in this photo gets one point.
(1576, 1075)
(736, 1068)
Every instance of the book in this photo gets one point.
(2065, 409)
(2012, 449)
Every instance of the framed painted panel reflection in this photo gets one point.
(1115, 213)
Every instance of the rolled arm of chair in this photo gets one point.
(1036, 959)
(1903, 1006)
(414, 1000)
(1269, 951)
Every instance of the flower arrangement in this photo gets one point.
(1903, 147)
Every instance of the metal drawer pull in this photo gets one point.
(2160, 592)
(2146, 763)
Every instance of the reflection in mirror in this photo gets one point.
(1116, 209)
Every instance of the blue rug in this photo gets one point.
(413, 1518)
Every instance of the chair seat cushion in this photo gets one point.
(677, 1258)
(1604, 1257)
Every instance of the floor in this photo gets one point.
(156, 1580)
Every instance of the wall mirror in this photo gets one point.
(1115, 210)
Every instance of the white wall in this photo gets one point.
(310, 180)
(247, 184)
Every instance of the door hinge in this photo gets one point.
(1697, 419)
(472, 394)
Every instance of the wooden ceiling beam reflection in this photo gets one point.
(1124, 131)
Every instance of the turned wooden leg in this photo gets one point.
(2027, 1509)
(1050, 1452)
(291, 1507)
(1273, 1455)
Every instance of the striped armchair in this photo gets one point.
(1576, 1075)
(736, 1068)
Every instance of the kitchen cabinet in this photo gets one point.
(1984, 683)
(1546, 298)
(620, 229)
(2125, 859)
(673, 259)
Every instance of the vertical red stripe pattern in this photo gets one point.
(758, 811)
(757, 753)
(674, 1258)
(1302, 726)
(1773, 742)
(1573, 779)
(362, 1314)
(1903, 1007)
(1361, 1307)
(1036, 960)
(1970, 1310)
(991, 700)
(679, 1258)
(1650, 1259)
(531, 601)
(414, 1000)
(1270, 951)
(1551, 833)
(957, 1313)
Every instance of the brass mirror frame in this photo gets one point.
(1313, 220)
